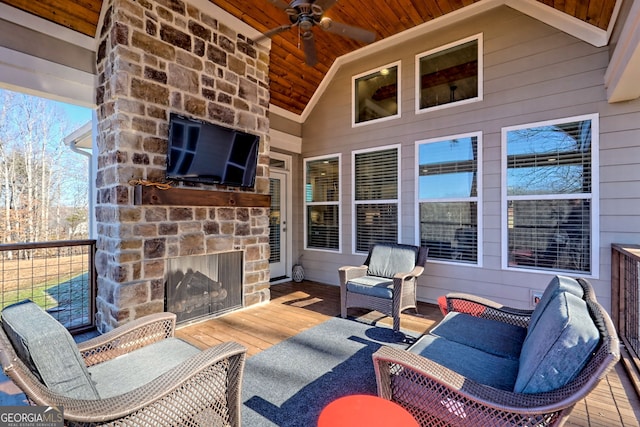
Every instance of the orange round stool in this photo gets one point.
(361, 410)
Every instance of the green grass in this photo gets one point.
(39, 293)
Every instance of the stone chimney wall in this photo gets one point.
(157, 57)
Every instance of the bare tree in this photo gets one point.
(35, 168)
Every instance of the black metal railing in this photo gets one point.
(625, 304)
(59, 276)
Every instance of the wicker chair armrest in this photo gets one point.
(196, 379)
(417, 271)
(399, 279)
(129, 337)
(426, 387)
(483, 307)
(349, 272)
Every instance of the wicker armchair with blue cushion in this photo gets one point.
(138, 374)
(486, 364)
(386, 282)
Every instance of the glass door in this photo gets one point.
(278, 225)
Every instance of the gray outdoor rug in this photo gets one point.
(291, 382)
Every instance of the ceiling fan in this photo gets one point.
(306, 14)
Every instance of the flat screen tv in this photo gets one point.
(212, 154)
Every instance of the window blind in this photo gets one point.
(274, 221)
(376, 197)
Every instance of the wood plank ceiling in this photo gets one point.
(292, 82)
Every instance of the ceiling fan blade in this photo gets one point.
(273, 32)
(345, 30)
(309, 45)
(280, 4)
(325, 4)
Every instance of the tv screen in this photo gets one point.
(208, 153)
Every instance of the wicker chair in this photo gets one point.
(386, 282)
(438, 396)
(147, 376)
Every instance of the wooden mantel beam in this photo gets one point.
(146, 195)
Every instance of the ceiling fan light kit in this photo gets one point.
(306, 14)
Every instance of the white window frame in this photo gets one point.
(354, 94)
(477, 199)
(337, 203)
(594, 196)
(372, 201)
(479, 38)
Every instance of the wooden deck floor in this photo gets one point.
(295, 307)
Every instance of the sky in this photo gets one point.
(75, 116)
(449, 185)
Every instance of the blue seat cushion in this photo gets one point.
(557, 285)
(477, 365)
(48, 349)
(132, 370)
(491, 336)
(387, 260)
(558, 347)
(380, 287)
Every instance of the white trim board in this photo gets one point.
(40, 77)
(285, 141)
(621, 77)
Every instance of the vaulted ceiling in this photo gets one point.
(292, 81)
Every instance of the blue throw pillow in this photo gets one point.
(557, 285)
(559, 347)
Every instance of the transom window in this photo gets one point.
(376, 95)
(549, 194)
(375, 189)
(450, 74)
(449, 177)
(322, 203)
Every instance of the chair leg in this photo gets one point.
(396, 323)
(343, 305)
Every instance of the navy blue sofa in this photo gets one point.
(487, 364)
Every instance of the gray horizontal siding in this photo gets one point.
(532, 72)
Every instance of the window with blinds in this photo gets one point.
(449, 179)
(322, 203)
(375, 189)
(549, 195)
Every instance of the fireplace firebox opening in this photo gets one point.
(204, 285)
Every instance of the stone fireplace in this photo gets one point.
(154, 58)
